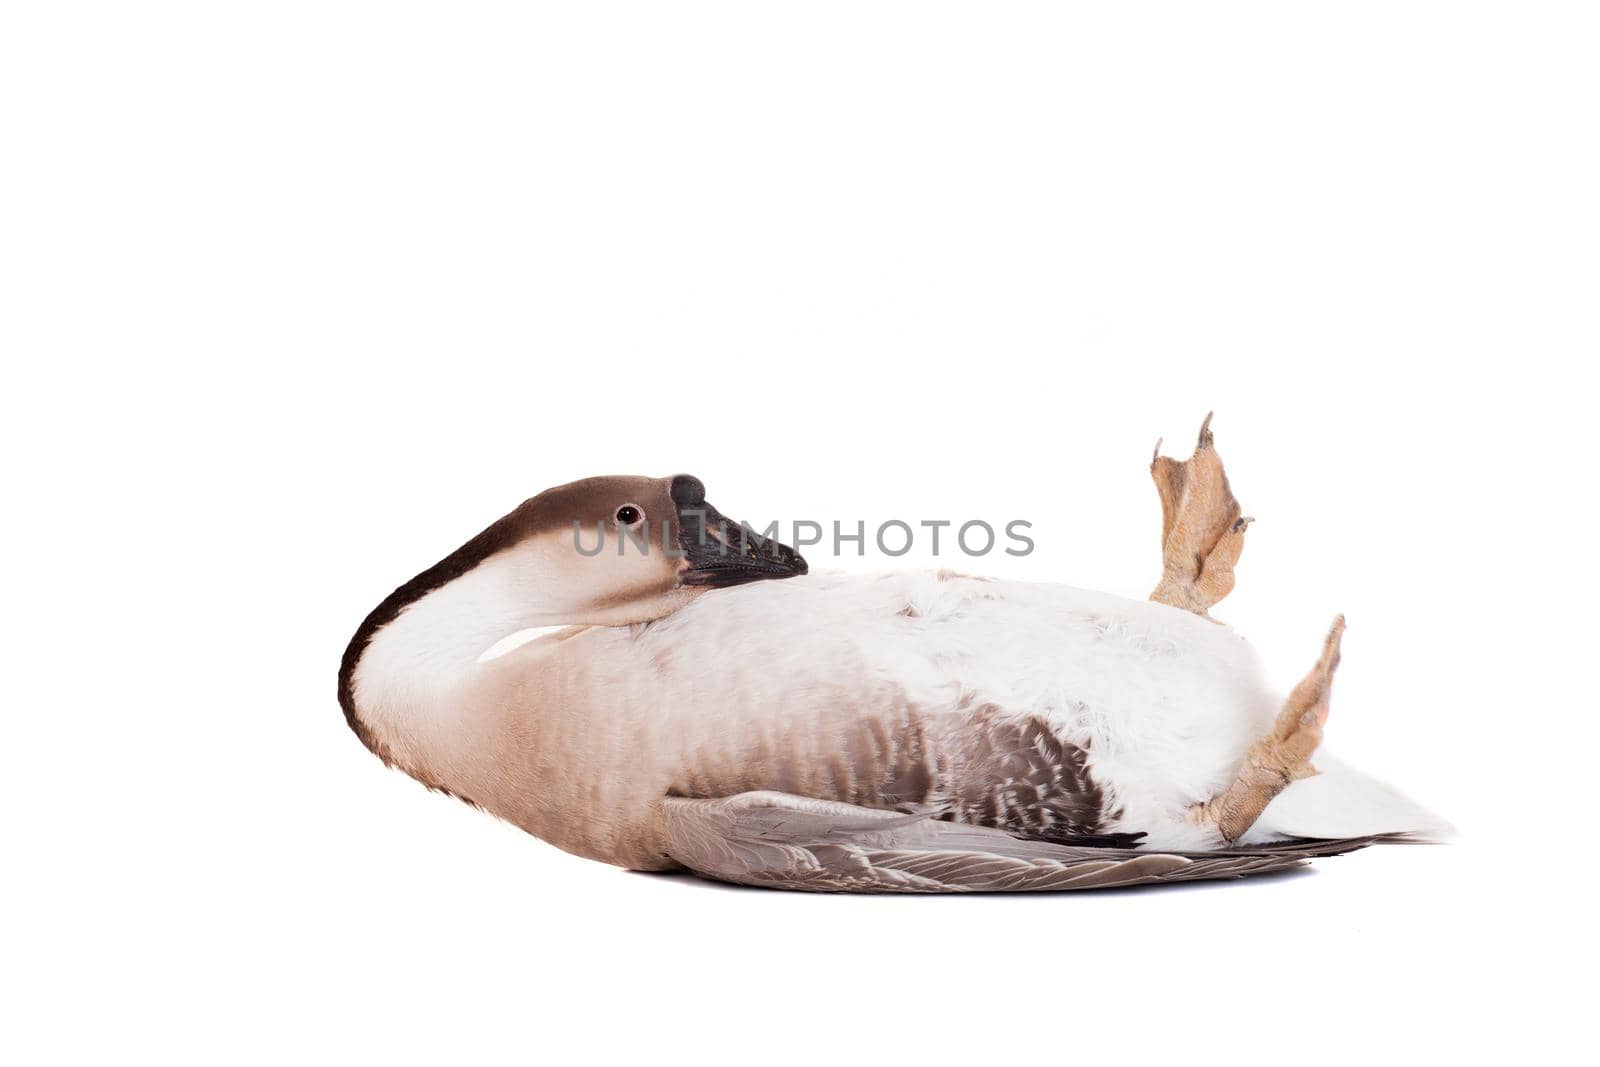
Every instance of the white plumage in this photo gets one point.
(1164, 702)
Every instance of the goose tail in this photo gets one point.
(1340, 802)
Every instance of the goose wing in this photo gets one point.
(783, 841)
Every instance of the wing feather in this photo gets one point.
(783, 841)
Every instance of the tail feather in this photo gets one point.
(1343, 802)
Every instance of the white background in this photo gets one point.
(299, 296)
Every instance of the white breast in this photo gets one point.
(1164, 701)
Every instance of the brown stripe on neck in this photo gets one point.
(502, 534)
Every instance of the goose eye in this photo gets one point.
(627, 515)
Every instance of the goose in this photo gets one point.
(621, 671)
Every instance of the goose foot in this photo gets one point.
(1284, 755)
(1202, 530)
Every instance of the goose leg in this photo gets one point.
(1284, 755)
(1202, 531)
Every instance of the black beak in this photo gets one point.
(719, 552)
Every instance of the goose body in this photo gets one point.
(1029, 707)
(754, 731)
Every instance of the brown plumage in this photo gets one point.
(779, 841)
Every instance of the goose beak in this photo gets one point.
(718, 552)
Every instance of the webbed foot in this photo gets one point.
(1202, 530)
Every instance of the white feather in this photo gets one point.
(1343, 802)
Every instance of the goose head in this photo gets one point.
(618, 550)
